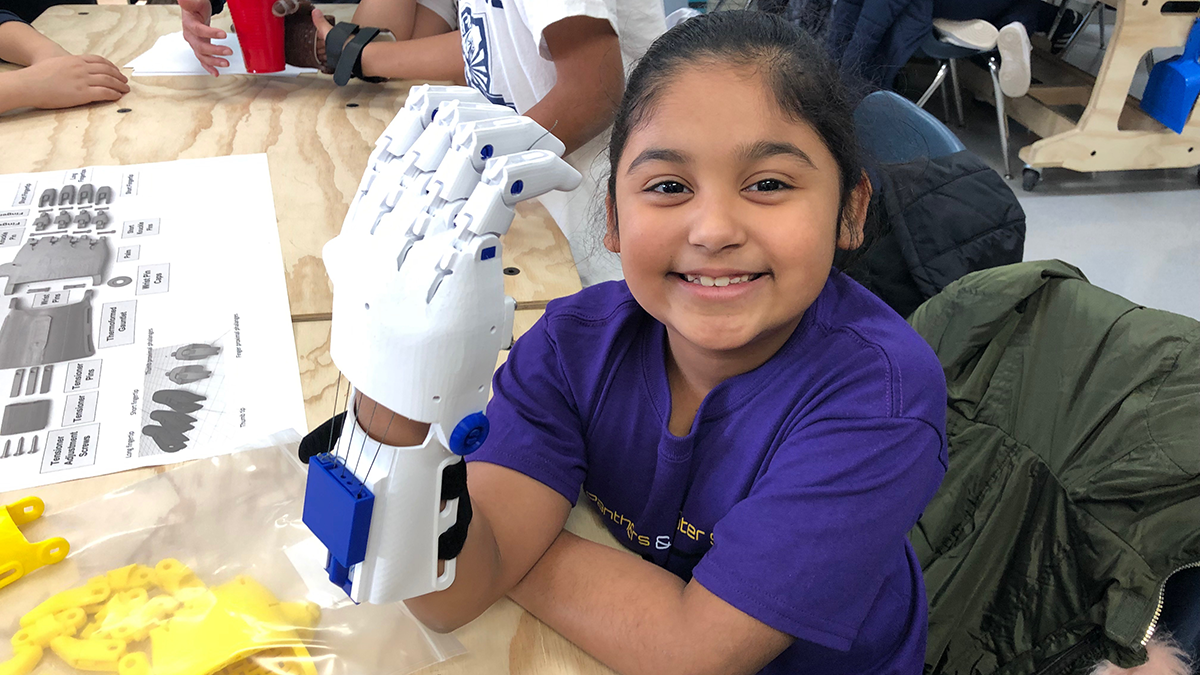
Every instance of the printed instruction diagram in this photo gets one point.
(141, 324)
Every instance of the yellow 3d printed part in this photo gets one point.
(176, 578)
(95, 592)
(238, 628)
(273, 662)
(130, 577)
(136, 624)
(217, 628)
(18, 557)
(24, 660)
(101, 655)
(49, 627)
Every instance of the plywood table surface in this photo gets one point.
(316, 135)
(505, 638)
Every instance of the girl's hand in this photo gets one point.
(196, 31)
(67, 81)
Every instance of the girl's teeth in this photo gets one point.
(716, 281)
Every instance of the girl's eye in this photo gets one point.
(769, 185)
(669, 187)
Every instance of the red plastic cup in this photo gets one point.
(260, 33)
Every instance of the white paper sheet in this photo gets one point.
(161, 336)
(171, 55)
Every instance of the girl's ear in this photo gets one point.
(854, 216)
(612, 239)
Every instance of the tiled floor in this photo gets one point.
(1136, 234)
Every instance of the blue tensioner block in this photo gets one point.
(337, 508)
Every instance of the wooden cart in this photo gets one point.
(1112, 133)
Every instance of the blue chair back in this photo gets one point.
(893, 130)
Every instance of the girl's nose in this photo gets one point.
(717, 225)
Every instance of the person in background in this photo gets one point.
(1016, 21)
(53, 78)
(560, 62)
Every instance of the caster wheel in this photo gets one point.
(1030, 177)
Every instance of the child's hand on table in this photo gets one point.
(66, 81)
(199, 35)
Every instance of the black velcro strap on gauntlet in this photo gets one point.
(323, 438)
(350, 63)
(454, 486)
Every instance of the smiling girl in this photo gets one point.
(759, 429)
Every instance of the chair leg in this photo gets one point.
(957, 91)
(937, 81)
(945, 101)
(1001, 115)
(1100, 20)
(1075, 34)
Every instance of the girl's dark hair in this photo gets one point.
(806, 83)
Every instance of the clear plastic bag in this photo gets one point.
(226, 579)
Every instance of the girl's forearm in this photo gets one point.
(476, 583)
(22, 45)
(623, 610)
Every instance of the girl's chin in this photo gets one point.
(710, 335)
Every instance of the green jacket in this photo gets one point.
(1074, 484)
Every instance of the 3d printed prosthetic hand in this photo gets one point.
(419, 318)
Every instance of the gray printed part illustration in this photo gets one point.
(174, 421)
(195, 352)
(179, 400)
(187, 374)
(54, 258)
(86, 192)
(37, 336)
(24, 417)
(168, 441)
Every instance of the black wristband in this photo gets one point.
(350, 63)
(454, 485)
(335, 39)
(322, 439)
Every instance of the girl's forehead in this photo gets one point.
(718, 107)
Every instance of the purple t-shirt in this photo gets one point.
(792, 495)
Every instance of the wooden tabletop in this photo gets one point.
(316, 135)
(505, 638)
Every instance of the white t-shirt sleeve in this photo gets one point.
(447, 9)
(538, 14)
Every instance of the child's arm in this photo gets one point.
(21, 44)
(438, 57)
(639, 618)
(405, 18)
(590, 80)
(515, 519)
(54, 78)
